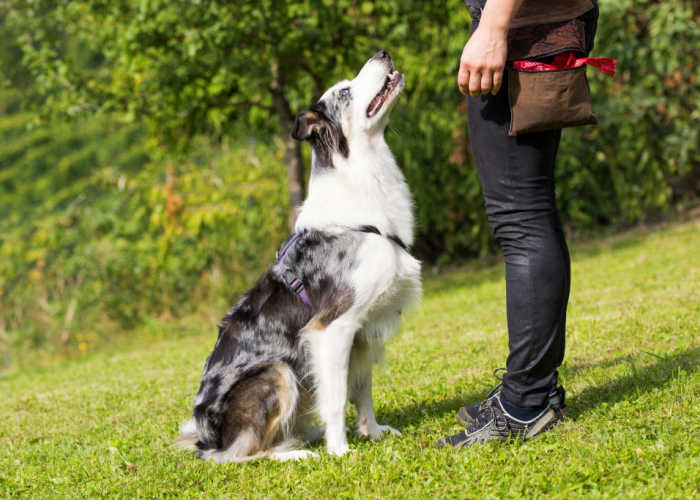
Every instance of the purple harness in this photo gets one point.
(291, 279)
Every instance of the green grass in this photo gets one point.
(101, 426)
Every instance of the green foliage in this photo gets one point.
(109, 219)
(102, 427)
(643, 158)
(645, 151)
(191, 67)
(93, 233)
(428, 134)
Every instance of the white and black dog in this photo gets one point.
(304, 339)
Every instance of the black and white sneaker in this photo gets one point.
(494, 423)
(467, 414)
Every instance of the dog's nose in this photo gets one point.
(382, 54)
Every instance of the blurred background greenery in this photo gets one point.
(146, 169)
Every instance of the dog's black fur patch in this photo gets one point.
(321, 127)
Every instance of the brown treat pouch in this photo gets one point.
(548, 100)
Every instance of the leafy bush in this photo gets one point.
(642, 158)
(93, 233)
(100, 225)
(643, 154)
(428, 134)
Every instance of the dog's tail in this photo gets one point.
(252, 420)
(188, 435)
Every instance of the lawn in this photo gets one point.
(101, 426)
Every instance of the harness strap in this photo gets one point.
(392, 237)
(288, 276)
(398, 241)
(294, 283)
(369, 229)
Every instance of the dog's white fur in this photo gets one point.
(366, 188)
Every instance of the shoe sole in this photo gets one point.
(463, 418)
(552, 420)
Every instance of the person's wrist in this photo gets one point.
(497, 27)
(495, 20)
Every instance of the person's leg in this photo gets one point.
(517, 177)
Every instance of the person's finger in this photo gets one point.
(474, 84)
(463, 80)
(497, 81)
(486, 82)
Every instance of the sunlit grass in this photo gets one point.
(102, 425)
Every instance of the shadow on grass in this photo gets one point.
(568, 371)
(473, 273)
(631, 386)
(424, 410)
(606, 244)
(491, 268)
(610, 240)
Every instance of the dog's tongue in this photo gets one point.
(375, 105)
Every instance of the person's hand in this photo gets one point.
(483, 60)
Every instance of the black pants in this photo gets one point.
(517, 178)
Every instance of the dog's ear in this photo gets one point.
(306, 123)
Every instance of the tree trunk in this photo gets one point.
(295, 167)
(295, 173)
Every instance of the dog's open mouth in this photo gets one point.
(390, 84)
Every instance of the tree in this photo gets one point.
(195, 67)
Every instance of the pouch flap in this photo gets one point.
(544, 40)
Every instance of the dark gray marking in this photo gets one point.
(320, 125)
(264, 329)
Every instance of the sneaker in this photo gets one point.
(467, 414)
(494, 423)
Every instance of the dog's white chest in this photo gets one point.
(389, 283)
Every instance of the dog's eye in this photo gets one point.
(345, 92)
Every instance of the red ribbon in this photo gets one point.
(568, 60)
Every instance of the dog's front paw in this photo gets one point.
(378, 431)
(338, 450)
(284, 456)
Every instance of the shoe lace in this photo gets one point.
(488, 412)
(482, 418)
(500, 384)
